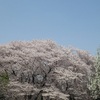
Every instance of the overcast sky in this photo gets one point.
(67, 22)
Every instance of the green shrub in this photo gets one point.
(4, 80)
(94, 85)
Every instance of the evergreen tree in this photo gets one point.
(94, 85)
